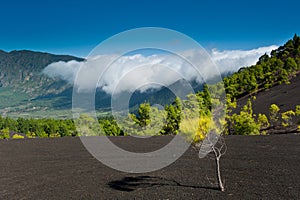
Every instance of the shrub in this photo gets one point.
(30, 134)
(17, 136)
(287, 117)
(263, 121)
(274, 113)
(196, 129)
(244, 122)
(5, 133)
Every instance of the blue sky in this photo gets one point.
(76, 27)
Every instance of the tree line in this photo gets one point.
(23, 127)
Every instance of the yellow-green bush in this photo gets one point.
(30, 134)
(4, 133)
(287, 117)
(263, 121)
(17, 136)
(274, 112)
(196, 129)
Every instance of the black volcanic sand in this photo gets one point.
(254, 167)
(285, 96)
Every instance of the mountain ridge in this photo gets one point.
(22, 80)
(21, 69)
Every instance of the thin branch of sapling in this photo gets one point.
(218, 149)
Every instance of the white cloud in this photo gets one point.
(64, 70)
(232, 60)
(139, 72)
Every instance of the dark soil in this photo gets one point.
(286, 96)
(254, 167)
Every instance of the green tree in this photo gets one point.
(173, 117)
(63, 129)
(291, 65)
(10, 123)
(143, 117)
(22, 125)
(149, 122)
(206, 97)
(110, 127)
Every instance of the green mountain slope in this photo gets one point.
(21, 71)
(280, 67)
(22, 81)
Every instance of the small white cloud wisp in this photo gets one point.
(162, 68)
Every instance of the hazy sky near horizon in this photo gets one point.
(76, 27)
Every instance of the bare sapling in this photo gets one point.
(214, 143)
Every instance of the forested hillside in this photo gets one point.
(282, 65)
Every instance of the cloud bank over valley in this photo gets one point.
(141, 72)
